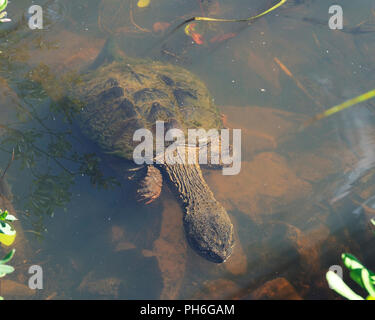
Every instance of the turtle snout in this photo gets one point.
(210, 232)
(220, 256)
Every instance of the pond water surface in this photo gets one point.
(297, 203)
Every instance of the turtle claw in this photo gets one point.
(150, 186)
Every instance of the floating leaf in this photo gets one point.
(7, 240)
(143, 3)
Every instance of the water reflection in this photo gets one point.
(294, 200)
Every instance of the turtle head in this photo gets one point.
(209, 229)
(207, 224)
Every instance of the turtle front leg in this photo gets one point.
(151, 185)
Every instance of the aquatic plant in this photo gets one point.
(7, 236)
(189, 29)
(143, 3)
(347, 104)
(4, 268)
(7, 232)
(3, 14)
(359, 273)
(51, 156)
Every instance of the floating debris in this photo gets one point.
(143, 3)
(349, 103)
(190, 30)
(198, 38)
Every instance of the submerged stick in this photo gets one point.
(207, 19)
(236, 20)
(298, 83)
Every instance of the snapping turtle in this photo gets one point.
(119, 95)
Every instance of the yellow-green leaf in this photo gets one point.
(7, 239)
(143, 3)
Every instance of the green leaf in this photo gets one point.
(3, 214)
(5, 269)
(367, 282)
(8, 257)
(338, 285)
(351, 262)
(7, 229)
(3, 4)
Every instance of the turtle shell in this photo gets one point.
(119, 97)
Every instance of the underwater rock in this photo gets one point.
(105, 287)
(124, 245)
(170, 249)
(117, 234)
(263, 129)
(325, 159)
(276, 289)
(160, 26)
(237, 262)
(312, 166)
(14, 290)
(261, 63)
(52, 296)
(287, 252)
(264, 186)
(119, 241)
(292, 249)
(220, 289)
(68, 53)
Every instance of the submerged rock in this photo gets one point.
(119, 240)
(263, 129)
(237, 262)
(276, 289)
(14, 290)
(104, 287)
(264, 186)
(220, 289)
(170, 250)
(290, 248)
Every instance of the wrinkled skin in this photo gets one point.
(119, 95)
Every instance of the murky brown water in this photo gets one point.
(296, 204)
